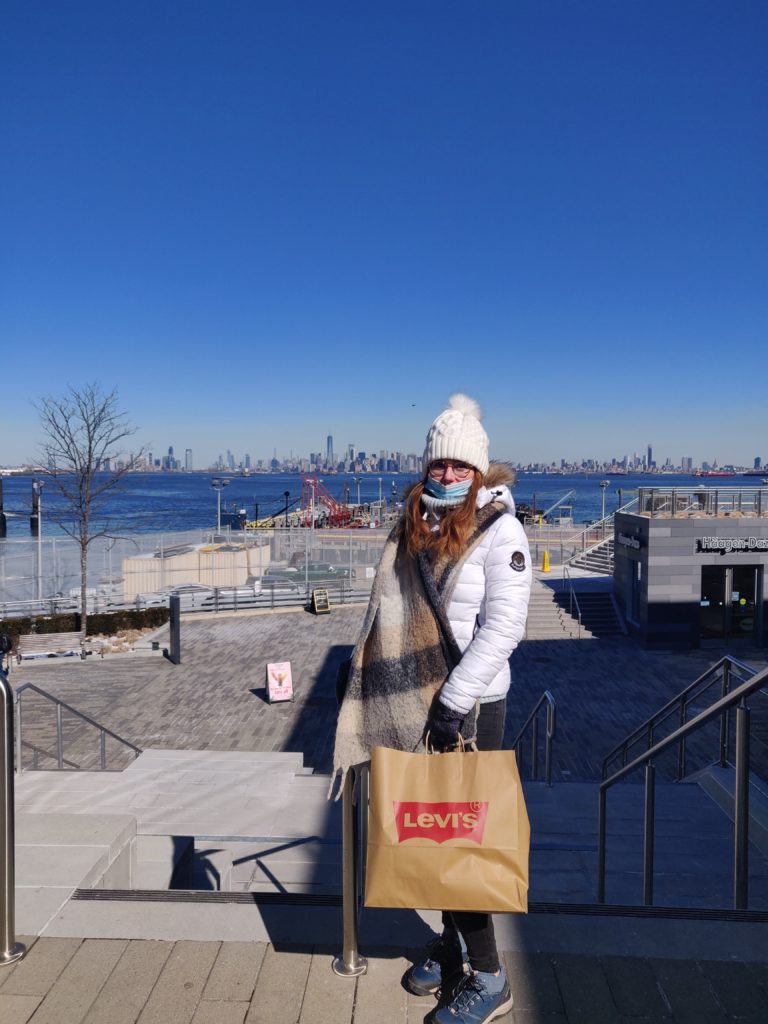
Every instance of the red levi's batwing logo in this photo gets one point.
(440, 822)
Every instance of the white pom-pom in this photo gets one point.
(466, 405)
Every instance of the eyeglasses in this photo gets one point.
(460, 469)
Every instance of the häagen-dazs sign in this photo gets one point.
(629, 542)
(729, 545)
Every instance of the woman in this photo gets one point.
(447, 609)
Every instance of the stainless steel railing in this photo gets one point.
(533, 721)
(736, 700)
(61, 707)
(354, 811)
(727, 670)
(573, 601)
(10, 949)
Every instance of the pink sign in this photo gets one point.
(279, 681)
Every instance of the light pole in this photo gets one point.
(356, 479)
(379, 490)
(286, 495)
(37, 486)
(218, 484)
(603, 485)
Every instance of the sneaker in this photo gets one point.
(443, 959)
(472, 1003)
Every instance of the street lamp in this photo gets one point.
(218, 484)
(286, 495)
(379, 490)
(356, 479)
(603, 485)
(37, 488)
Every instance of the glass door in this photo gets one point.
(729, 602)
(713, 607)
(743, 602)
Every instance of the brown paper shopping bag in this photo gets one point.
(447, 832)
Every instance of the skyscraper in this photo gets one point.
(650, 457)
(329, 449)
(188, 460)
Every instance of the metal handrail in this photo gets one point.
(736, 698)
(10, 950)
(573, 599)
(62, 706)
(680, 703)
(37, 751)
(350, 964)
(532, 719)
(600, 525)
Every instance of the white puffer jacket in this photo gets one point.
(488, 608)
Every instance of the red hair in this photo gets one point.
(456, 525)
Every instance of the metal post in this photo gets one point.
(681, 750)
(10, 950)
(601, 846)
(535, 749)
(741, 811)
(648, 832)
(350, 964)
(59, 738)
(725, 717)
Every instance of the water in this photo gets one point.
(169, 502)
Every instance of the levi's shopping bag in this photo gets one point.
(447, 832)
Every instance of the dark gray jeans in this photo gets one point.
(477, 928)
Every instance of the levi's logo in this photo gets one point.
(440, 822)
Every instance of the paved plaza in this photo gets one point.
(69, 981)
(215, 700)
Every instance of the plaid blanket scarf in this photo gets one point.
(405, 652)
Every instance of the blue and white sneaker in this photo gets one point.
(473, 1003)
(444, 960)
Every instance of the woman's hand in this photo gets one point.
(443, 726)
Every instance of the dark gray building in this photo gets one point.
(689, 566)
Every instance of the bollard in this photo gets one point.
(10, 950)
(350, 964)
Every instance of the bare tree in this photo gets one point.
(81, 454)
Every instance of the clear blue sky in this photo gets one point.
(265, 222)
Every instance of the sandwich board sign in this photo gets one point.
(320, 602)
(279, 682)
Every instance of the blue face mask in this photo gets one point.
(452, 492)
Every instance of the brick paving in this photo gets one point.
(110, 981)
(215, 698)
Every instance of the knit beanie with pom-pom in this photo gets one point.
(457, 433)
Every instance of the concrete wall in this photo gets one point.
(669, 591)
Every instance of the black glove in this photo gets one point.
(443, 726)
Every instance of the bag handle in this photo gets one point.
(460, 747)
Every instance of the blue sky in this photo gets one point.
(264, 222)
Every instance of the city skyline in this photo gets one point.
(264, 224)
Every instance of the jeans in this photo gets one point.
(477, 928)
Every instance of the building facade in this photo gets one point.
(690, 567)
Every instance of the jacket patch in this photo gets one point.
(517, 562)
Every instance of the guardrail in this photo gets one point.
(61, 706)
(10, 949)
(736, 699)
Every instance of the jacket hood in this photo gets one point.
(496, 486)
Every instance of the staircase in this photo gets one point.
(598, 612)
(548, 619)
(598, 558)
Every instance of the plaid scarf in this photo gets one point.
(405, 652)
